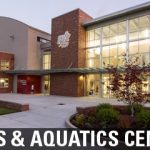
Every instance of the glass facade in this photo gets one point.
(107, 45)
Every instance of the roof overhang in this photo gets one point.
(122, 13)
(65, 70)
(54, 71)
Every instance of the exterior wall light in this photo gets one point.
(81, 78)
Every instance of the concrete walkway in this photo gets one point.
(44, 110)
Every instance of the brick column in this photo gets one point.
(72, 56)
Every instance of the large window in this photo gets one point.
(46, 60)
(113, 44)
(139, 28)
(93, 37)
(109, 44)
(115, 33)
(93, 57)
(139, 39)
(4, 83)
(113, 55)
(114, 41)
(4, 65)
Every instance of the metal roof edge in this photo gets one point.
(117, 14)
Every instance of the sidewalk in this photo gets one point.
(45, 111)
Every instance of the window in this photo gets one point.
(93, 37)
(112, 41)
(139, 28)
(5, 65)
(4, 83)
(141, 50)
(133, 48)
(93, 58)
(46, 61)
(115, 33)
(133, 29)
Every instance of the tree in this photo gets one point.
(127, 83)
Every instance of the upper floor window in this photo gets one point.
(93, 37)
(139, 28)
(115, 33)
(4, 65)
(46, 60)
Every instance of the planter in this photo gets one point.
(69, 124)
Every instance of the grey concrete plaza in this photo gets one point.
(44, 110)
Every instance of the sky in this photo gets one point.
(38, 13)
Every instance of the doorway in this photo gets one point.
(92, 85)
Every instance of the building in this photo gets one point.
(22, 48)
(80, 47)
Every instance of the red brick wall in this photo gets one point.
(72, 56)
(67, 84)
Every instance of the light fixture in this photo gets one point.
(12, 36)
(146, 33)
(81, 78)
(97, 51)
(2, 80)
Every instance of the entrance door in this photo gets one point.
(93, 85)
(26, 84)
(46, 84)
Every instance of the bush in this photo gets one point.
(143, 118)
(107, 116)
(80, 119)
(91, 119)
(137, 108)
(103, 106)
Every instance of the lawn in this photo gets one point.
(4, 111)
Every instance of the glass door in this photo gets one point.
(93, 85)
(46, 84)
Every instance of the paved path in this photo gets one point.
(44, 110)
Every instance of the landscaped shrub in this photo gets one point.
(91, 119)
(137, 108)
(103, 106)
(107, 116)
(80, 119)
(143, 118)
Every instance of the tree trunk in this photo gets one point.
(132, 111)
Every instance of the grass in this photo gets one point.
(4, 111)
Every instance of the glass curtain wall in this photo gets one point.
(107, 45)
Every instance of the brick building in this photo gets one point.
(71, 61)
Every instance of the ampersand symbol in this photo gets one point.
(17, 141)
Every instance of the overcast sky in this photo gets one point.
(38, 13)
